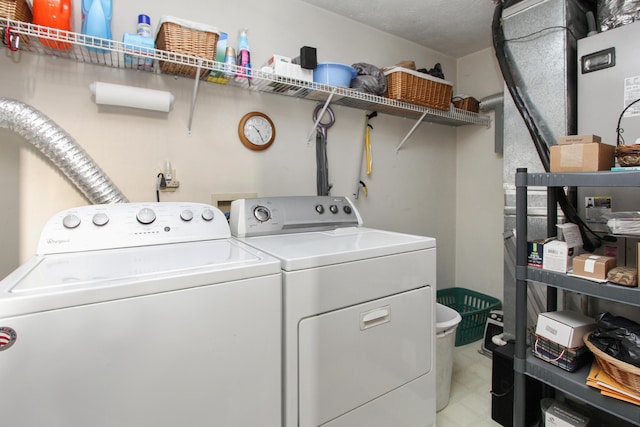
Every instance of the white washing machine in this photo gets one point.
(141, 315)
(359, 312)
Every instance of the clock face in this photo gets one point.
(256, 131)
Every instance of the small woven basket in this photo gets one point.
(176, 38)
(626, 374)
(628, 155)
(16, 10)
(405, 85)
(468, 104)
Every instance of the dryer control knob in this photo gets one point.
(262, 213)
(71, 221)
(333, 209)
(207, 215)
(347, 209)
(146, 216)
(320, 209)
(100, 219)
(186, 215)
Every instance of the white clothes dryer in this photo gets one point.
(359, 312)
(141, 315)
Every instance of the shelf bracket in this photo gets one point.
(411, 131)
(194, 96)
(324, 108)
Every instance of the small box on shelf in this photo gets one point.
(593, 266)
(590, 157)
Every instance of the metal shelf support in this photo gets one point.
(194, 96)
(413, 129)
(320, 115)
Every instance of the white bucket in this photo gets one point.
(447, 320)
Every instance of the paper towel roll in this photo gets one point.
(131, 96)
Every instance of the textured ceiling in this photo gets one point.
(453, 27)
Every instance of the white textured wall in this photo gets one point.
(412, 191)
(479, 194)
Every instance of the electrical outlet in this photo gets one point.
(172, 185)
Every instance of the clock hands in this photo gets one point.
(258, 130)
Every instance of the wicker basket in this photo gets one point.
(16, 10)
(186, 38)
(626, 374)
(628, 155)
(468, 104)
(418, 88)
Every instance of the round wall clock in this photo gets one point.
(256, 131)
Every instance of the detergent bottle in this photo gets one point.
(244, 56)
(96, 20)
(53, 14)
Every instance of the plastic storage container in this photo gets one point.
(447, 320)
(334, 74)
(474, 307)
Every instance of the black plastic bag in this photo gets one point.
(618, 337)
(370, 79)
(436, 71)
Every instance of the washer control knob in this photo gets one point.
(100, 219)
(186, 215)
(262, 213)
(333, 209)
(320, 209)
(207, 214)
(71, 221)
(146, 216)
(347, 209)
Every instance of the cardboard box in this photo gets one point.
(582, 157)
(565, 328)
(578, 139)
(593, 266)
(559, 415)
(557, 255)
(282, 66)
(535, 252)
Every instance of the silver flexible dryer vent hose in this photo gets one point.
(61, 149)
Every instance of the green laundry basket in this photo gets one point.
(474, 307)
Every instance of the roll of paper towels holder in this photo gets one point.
(131, 96)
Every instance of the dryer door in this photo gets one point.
(354, 355)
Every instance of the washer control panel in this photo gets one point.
(294, 214)
(124, 225)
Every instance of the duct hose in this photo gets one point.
(59, 147)
(490, 102)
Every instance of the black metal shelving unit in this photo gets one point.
(525, 364)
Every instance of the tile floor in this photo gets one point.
(470, 400)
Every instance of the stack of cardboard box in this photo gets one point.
(581, 153)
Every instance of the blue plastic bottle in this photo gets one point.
(96, 20)
(244, 56)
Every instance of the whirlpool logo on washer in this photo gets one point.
(8, 337)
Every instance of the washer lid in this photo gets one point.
(62, 280)
(299, 251)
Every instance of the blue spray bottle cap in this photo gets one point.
(144, 19)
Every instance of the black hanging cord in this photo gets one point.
(160, 183)
(542, 147)
(619, 130)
